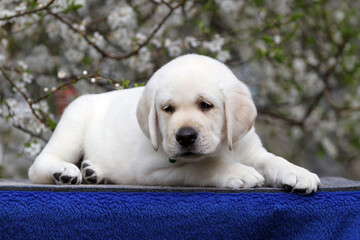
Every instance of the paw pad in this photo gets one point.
(90, 175)
(62, 178)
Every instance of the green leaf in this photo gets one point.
(320, 153)
(259, 3)
(209, 6)
(296, 16)
(31, 4)
(86, 60)
(125, 83)
(72, 7)
(279, 55)
(41, 14)
(139, 84)
(260, 53)
(268, 39)
(201, 25)
(51, 124)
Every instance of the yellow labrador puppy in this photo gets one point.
(191, 125)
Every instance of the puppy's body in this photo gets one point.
(128, 136)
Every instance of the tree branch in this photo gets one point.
(289, 121)
(312, 106)
(111, 55)
(27, 99)
(70, 82)
(32, 134)
(46, 7)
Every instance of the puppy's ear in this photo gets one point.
(147, 117)
(240, 111)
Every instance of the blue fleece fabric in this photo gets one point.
(119, 215)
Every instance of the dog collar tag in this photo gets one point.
(172, 160)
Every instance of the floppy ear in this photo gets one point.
(240, 112)
(147, 117)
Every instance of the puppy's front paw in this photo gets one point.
(297, 179)
(241, 176)
(91, 174)
(66, 173)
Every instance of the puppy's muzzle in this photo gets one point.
(186, 136)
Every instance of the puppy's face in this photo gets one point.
(192, 105)
(191, 118)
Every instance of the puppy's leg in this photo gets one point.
(56, 163)
(205, 173)
(228, 175)
(278, 172)
(49, 168)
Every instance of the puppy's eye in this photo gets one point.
(204, 106)
(168, 109)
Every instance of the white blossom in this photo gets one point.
(142, 63)
(61, 74)
(223, 56)
(174, 47)
(122, 16)
(27, 77)
(2, 58)
(22, 64)
(299, 65)
(191, 42)
(215, 45)
(339, 15)
(350, 62)
(140, 37)
(338, 37)
(277, 39)
(311, 59)
(33, 150)
(121, 37)
(74, 56)
(330, 148)
(99, 39)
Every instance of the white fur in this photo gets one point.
(105, 129)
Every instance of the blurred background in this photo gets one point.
(299, 58)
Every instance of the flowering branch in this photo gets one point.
(32, 134)
(289, 121)
(46, 7)
(117, 56)
(27, 99)
(72, 80)
(68, 83)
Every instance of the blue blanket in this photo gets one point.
(120, 215)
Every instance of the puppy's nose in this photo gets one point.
(186, 136)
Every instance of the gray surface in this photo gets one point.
(328, 184)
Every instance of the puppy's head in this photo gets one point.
(192, 106)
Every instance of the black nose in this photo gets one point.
(186, 136)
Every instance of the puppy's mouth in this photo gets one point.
(189, 155)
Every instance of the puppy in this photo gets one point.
(191, 125)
